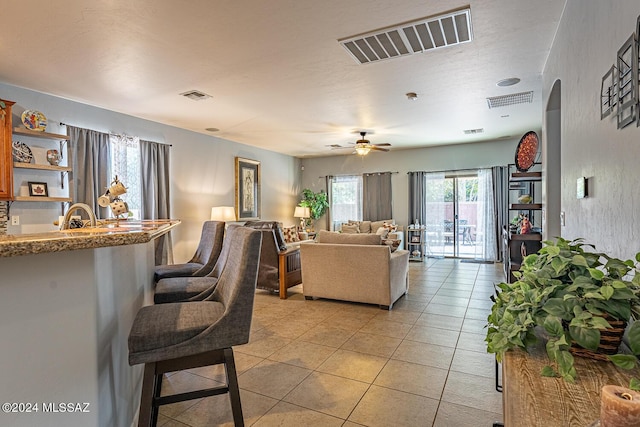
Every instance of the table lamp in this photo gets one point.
(303, 213)
(223, 213)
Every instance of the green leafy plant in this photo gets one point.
(571, 293)
(318, 203)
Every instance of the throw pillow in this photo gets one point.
(349, 229)
(392, 243)
(382, 232)
(391, 227)
(365, 227)
(290, 234)
(377, 224)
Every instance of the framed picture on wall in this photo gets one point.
(247, 189)
(38, 189)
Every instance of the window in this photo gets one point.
(346, 199)
(125, 164)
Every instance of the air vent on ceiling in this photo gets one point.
(512, 99)
(411, 37)
(473, 131)
(195, 95)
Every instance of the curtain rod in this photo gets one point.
(455, 170)
(113, 133)
(363, 173)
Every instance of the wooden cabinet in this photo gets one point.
(6, 164)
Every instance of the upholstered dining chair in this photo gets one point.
(203, 260)
(186, 335)
(182, 289)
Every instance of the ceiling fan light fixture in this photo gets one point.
(412, 96)
(362, 151)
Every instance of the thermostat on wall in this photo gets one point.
(581, 188)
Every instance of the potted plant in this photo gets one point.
(576, 298)
(318, 203)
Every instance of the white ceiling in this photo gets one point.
(278, 77)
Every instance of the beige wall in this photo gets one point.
(585, 47)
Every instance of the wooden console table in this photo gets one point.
(530, 400)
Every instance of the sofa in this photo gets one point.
(354, 267)
(279, 267)
(386, 228)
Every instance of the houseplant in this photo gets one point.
(572, 295)
(318, 203)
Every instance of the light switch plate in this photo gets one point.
(15, 220)
(562, 219)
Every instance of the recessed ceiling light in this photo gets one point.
(195, 95)
(508, 82)
(212, 129)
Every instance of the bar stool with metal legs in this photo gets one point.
(186, 335)
(203, 260)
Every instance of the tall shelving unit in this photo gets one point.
(416, 242)
(516, 245)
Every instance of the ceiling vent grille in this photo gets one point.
(410, 38)
(512, 99)
(195, 95)
(473, 131)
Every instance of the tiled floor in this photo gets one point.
(330, 363)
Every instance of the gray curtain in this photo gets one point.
(327, 182)
(417, 197)
(90, 162)
(377, 201)
(154, 159)
(500, 175)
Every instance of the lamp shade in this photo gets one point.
(223, 213)
(302, 212)
(363, 151)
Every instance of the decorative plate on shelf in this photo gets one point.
(21, 152)
(34, 120)
(527, 151)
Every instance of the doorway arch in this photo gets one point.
(552, 164)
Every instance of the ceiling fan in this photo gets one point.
(363, 146)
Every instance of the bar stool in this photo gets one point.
(203, 260)
(178, 336)
(179, 289)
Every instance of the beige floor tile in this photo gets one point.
(181, 382)
(424, 354)
(440, 321)
(430, 335)
(472, 342)
(386, 328)
(244, 362)
(290, 328)
(481, 303)
(328, 394)
(413, 378)
(474, 326)
(477, 313)
(287, 415)
(216, 410)
(472, 362)
(453, 301)
(446, 310)
(347, 322)
(263, 344)
(273, 379)
(327, 334)
(473, 391)
(353, 365)
(303, 354)
(169, 422)
(410, 305)
(385, 407)
(376, 345)
(408, 317)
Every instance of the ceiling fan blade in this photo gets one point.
(373, 147)
(384, 144)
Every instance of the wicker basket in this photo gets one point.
(610, 340)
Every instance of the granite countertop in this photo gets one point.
(119, 233)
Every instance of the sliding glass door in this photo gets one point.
(456, 215)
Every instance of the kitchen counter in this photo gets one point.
(67, 302)
(119, 233)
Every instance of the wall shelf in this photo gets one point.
(22, 165)
(41, 199)
(38, 134)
